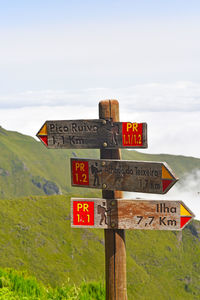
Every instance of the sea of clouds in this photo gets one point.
(187, 189)
(172, 111)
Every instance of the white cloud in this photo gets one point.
(154, 97)
(186, 190)
(28, 120)
(170, 132)
(172, 112)
(111, 54)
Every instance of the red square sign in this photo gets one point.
(80, 172)
(83, 213)
(132, 134)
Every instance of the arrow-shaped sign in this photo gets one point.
(97, 134)
(122, 175)
(43, 135)
(185, 215)
(130, 214)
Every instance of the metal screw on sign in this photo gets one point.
(130, 214)
(121, 175)
(93, 134)
(115, 248)
(113, 213)
(113, 224)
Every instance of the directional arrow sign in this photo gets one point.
(93, 134)
(122, 175)
(130, 214)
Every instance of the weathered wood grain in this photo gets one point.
(115, 247)
(135, 176)
(134, 214)
(100, 133)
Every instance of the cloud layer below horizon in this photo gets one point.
(172, 111)
(150, 97)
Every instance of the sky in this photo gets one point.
(58, 59)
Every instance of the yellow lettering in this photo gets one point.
(135, 126)
(85, 207)
(84, 176)
(82, 167)
(129, 125)
(77, 166)
(79, 206)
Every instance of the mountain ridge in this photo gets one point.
(35, 231)
(36, 235)
(28, 168)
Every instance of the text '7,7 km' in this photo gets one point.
(129, 214)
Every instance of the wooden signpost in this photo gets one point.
(115, 246)
(130, 214)
(113, 176)
(134, 176)
(101, 133)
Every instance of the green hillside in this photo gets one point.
(18, 285)
(35, 235)
(35, 232)
(180, 164)
(27, 167)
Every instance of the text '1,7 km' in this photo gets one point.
(97, 134)
(129, 214)
(122, 175)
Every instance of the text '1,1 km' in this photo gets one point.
(113, 175)
(84, 134)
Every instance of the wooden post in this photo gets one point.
(115, 249)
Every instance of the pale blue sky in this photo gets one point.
(84, 44)
(48, 11)
(58, 59)
(70, 54)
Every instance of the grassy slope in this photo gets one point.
(178, 163)
(35, 234)
(23, 160)
(18, 285)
